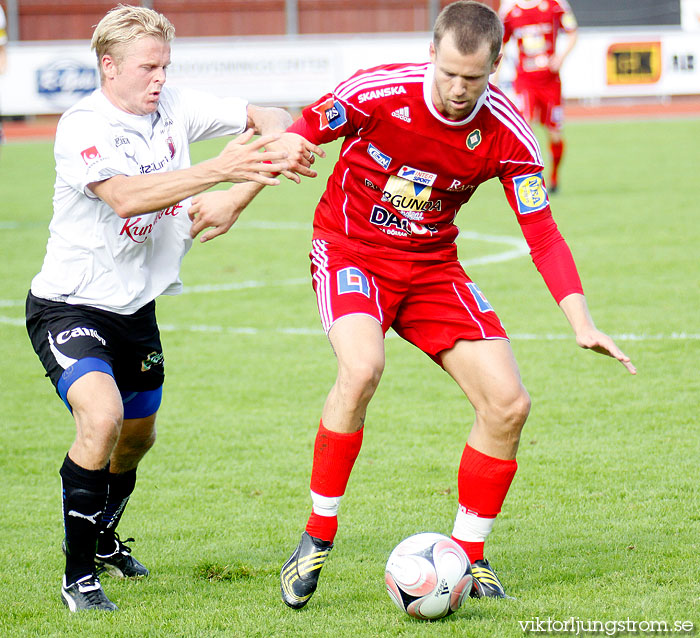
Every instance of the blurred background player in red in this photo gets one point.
(535, 25)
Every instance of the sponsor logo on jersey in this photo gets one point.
(530, 193)
(402, 114)
(331, 114)
(139, 232)
(419, 177)
(408, 198)
(385, 92)
(64, 336)
(90, 155)
(379, 157)
(393, 224)
(371, 185)
(458, 187)
(119, 140)
(352, 280)
(153, 359)
(481, 301)
(155, 166)
(473, 139)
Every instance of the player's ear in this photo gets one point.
(432, 52)
(109, 66)
(496, 62)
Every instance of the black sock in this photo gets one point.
(84, 497)
(120, 487)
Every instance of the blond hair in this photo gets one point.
(124, 24)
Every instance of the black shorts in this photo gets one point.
(68, 338)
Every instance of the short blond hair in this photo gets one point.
(124, 24)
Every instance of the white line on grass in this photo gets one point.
(518, 249)
(253, 331)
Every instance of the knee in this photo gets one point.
(508, 412)
(97, 434)
(136, 442)
(359, 379)
(519, 409)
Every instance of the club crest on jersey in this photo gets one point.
(171, 147)
(379, 157)
(473, 139)
(352, 280)
(530, 193)
(331, 114)
(419, 177)
(90, 155)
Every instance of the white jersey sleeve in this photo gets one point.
(85, 151)
(206, 116)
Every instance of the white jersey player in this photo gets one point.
(119, 232)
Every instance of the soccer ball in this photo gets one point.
(428, 575)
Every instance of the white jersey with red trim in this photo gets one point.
(405, 170)
(94, 257)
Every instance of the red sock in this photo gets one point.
(557, 151)
(483, 482)
(334, 457)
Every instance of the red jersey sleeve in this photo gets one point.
(550, 253)
(552, 256)
(327, 119)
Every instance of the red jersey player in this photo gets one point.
(418, 140)
(535, 25)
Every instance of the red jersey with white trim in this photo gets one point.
(535, 24)
(404, 170)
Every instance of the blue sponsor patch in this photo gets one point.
(335, 114)
(530, 193)
(331, 114)
(379, 157)
(352, 280)
(481, 301)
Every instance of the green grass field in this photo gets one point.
(602, 522)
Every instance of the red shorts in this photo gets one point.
(431, 304)
(540, 102)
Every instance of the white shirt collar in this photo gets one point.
(428, 97)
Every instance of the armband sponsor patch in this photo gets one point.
(530, 193)
(331, 114)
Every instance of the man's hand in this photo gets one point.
(587, 335)
(219, 210)
(299, 153)
(243, 162)
(594, 339)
